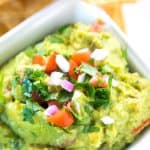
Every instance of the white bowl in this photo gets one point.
(63, 12)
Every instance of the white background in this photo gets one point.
(137, 20)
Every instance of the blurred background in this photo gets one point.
(133, 17)
(13, 12)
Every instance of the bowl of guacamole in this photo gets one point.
(72, 90)
(74, 86)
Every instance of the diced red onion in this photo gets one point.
(106, 78)
(51, 110)
(62, 63)
(67, 85)
(81, 77)
(55, 78)
(99, 54)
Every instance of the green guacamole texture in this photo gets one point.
(23, 125)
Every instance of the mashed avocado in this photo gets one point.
(73, 90)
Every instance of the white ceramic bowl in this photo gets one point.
(63, 12)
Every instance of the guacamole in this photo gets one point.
(72, 91)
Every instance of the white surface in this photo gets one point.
(137, 19)
(44, 22)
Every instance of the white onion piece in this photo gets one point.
(81, 77)
(99, 54)
(114, 83)
(55, 78)
(67, 85)
(107, 120)
(62, 63)
(51, 110)
(83, 50)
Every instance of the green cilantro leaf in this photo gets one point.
(34, 75)
(99, 103)
(106, 69)
(41, 89)
(63, 28)
(15, 144)
(27, 113)
(51, 96)
(30, 52)
(102, 97)
(110, 80)
(124, 53)
(88, 110)
(102, 93)
(88, 69)
(55, 39)
(90, 128)
(27, 87)
(86, 88)
(64, 96)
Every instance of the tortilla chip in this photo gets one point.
(115, 11)
(3, 28)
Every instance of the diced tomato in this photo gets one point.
(103, 84)
(51, 63)
(38, 60)
(62, 118)
(94, 81)
(72, 72)
(81, 56)
(97, 26)
(138, 129)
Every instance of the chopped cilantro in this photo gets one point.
(15, 144)
(41, 89)
(27, 87)
(34, 75)
(124, 53)
(40, 49)
(83, 122)
(102, 96)
(63, 28)
(88, 110)
(86, 88)
(90, 128)
(64, 96)
(106, 69)
(51, 96)
(88, 69)
(110, 81)
(102, 93)
(29, 111)
(55, 39)
(27, 114)
(92, 61)
(30, 52)
(99, 103)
